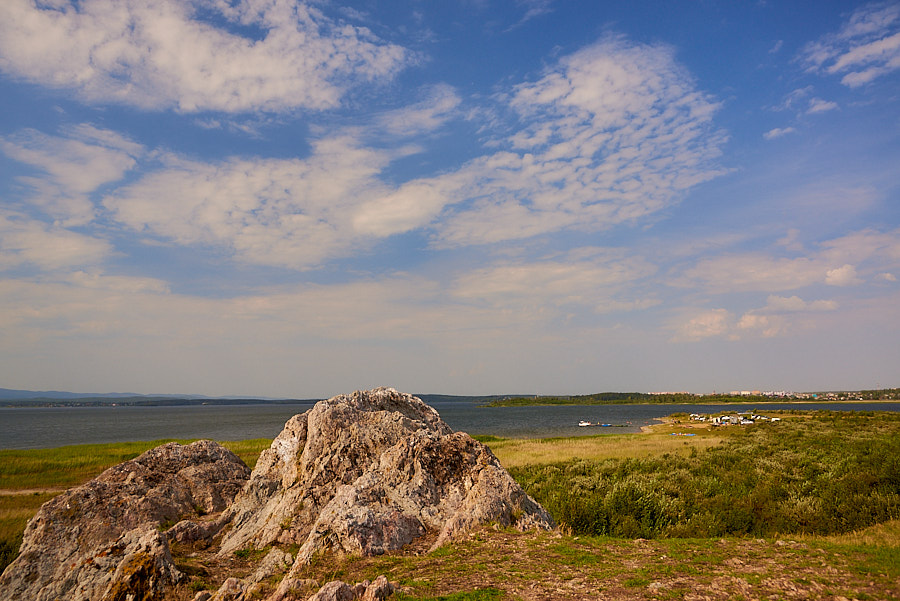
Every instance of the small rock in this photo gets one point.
(379, 590)
(231, 590)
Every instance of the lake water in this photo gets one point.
(30, 428)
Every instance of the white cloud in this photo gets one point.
(401, 210)
(842, 276)
(707, 324)
(817, 105)
(611, 134)
(767, 326)
(157, 54)
(887, 277)
(291, 213)
(778, 132)
(590, 278)
(75, 166)
(835, 262)
(302, 336)
(440, 103)
(753, 271)
(781, 304)
(25, 241)
(793, 99)
(866, 47)
(778, 318)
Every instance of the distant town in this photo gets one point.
(887, 394)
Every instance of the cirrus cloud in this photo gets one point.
(866, 47)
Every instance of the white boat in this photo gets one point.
(583, 423)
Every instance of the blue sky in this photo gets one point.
(288, 198)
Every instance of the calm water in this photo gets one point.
(31, 428)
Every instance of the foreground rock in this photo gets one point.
(371, 472)
(102, 540)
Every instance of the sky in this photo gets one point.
(295, 198)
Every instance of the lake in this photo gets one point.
(39, 427)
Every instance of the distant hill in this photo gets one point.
(11, 394)
(32, 398)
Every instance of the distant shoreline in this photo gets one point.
(39, 403)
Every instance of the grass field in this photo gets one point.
(658, 441)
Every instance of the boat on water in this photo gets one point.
(584, 423)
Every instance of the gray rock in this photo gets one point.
(102, 540)
(231, 590)
(378, 590)
(371, 472)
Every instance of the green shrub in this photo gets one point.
(832, 472)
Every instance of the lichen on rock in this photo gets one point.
(370, 472)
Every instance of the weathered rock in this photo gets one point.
(370, 472)
(102, 540)
(231, 590)
(275, 563)
(336, 590)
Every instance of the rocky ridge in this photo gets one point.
(359, 474)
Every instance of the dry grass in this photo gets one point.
(658, 440)
(886, 534)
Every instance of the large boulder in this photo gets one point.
(102, 540)
(371, 472)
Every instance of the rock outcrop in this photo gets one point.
(102, 540)
(371, 472)
(359, 474)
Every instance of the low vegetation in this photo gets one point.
(823, 473)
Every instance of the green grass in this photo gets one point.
(821, 473)
(62, 467)
(485, 594)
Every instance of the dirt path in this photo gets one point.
(7, 492)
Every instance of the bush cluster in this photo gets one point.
(832, 472)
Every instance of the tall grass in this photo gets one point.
(831, 473)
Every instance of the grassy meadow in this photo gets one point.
(640, 514)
